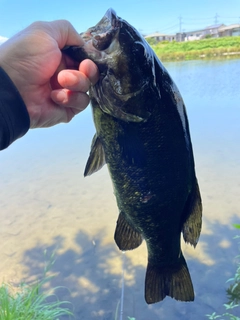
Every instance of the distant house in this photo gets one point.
(180, 36)
(160, 37)
(229, 31)
(193, 35)
(212, 31)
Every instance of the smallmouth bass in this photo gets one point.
(142, 134)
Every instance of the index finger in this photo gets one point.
(64, 33)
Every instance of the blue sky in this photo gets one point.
(147, 16)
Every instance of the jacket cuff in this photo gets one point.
(14, 117)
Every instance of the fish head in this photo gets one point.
(126, 65)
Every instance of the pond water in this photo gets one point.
(47, 204)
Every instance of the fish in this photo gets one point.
(142, 134)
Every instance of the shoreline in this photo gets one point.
(187, 56)
(189, 50)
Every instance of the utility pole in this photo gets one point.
(180, 28)
(180, 24)
(216, 18)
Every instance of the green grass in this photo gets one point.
(29, 302)
(213, 47)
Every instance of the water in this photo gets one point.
(47, 204)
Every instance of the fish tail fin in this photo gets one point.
(173, 281)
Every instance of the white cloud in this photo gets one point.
(2, 39)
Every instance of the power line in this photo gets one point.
(172, 27)
(169, 28)
(229, 17)
(180, 24)
(192, 23)
(196, 19)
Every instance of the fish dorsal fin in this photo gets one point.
(193, 211)
(96, 159)
(126, 237)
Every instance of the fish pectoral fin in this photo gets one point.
(173, 281)
(126, 237)
(193, 211)
(96, 159)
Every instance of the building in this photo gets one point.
(229, 31)
(160, 37)
(193, 35)
(211, 31)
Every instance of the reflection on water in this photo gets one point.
(46, 203)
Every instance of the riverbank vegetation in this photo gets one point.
(198, 49)
(28, 302)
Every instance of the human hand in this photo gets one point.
(52, 86)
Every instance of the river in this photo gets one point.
(47, 204)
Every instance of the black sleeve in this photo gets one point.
(14, 118)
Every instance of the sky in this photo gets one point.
(164, 16)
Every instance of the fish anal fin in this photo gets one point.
(96, 159)
(192, 226)
(173, 281)
(126, 237)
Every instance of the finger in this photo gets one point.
(74, 80)
(66, 98)
(66, 63)
(61, 31)
(65, 34)
(90, 69)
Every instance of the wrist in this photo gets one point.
(14, 116)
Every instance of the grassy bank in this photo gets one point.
(205, 48)
(32, 302)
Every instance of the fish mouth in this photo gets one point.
(101, 36)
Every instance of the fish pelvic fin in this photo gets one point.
(96, 159)
(173, 281)
(192, 226)
(126, 236)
